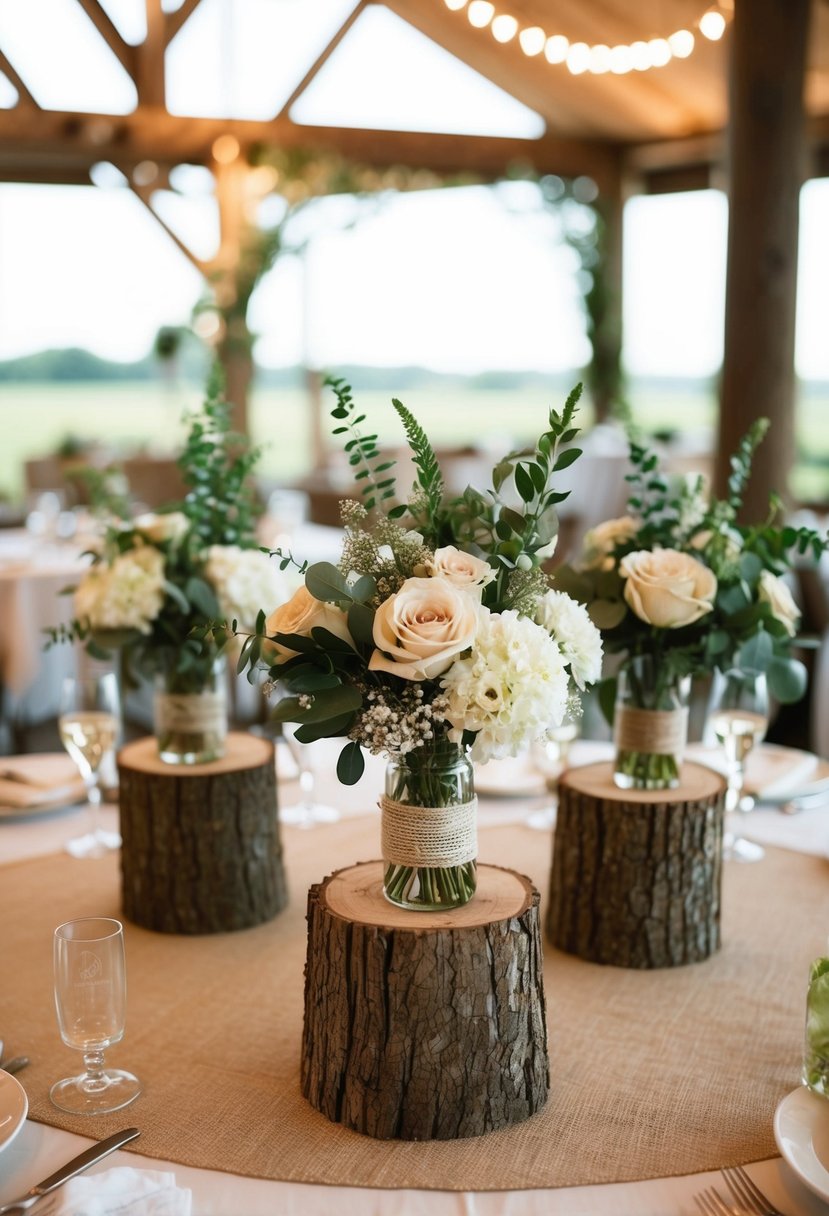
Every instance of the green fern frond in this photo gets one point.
(364, 456)
(429, 476)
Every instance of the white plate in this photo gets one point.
(14, 1106)
(801, 1129)
(510, 778)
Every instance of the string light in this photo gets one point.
(597, 59)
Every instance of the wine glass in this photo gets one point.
(90, 1000)
(88, 723)
(738, 714)
(551, 758)
(307, 812)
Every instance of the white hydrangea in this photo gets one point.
(580, 641)
(245, 581)
(511, 689)
(126, 595)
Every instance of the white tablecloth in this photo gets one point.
(39, 1149)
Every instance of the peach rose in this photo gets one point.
(158, 528)
(300, 614)
(462, 570)
(600, 542)
(422, 629)
(774, 592)
(666, 588)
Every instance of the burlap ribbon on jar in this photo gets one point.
(193, 713)
(661, 732)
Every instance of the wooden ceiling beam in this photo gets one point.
(144, 194)
(175, 21)
(149, 57)
(8, 69)
(323, 58)
(123, 52)
(78, 139)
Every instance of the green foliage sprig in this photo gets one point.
(363, 453)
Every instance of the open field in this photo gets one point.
(37, 417)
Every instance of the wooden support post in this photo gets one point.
(424, 1025)
(201, 850)
(636, 873)
(767, 166)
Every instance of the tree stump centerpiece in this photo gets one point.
(201, 849)
(424, 1028)
(637, 873)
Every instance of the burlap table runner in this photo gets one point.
(653, 1073)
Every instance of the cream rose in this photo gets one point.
(600, 541)
(666, 588)
(158, 528)
(300, 614)
(462, 570)
(422, 629)
(774, 592)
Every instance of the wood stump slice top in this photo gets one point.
(697, 782)
(356, 894)
(424, 1025)
(241, 751)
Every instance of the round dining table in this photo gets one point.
(31, 845)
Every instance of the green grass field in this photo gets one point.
(37, 417)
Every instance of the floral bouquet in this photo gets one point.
(158, 584)
(679, 587)
(436, 635)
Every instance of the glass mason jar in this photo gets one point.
(190, 714)
(429, 834)
(650, 725)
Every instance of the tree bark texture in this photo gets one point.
(636, 874)
(201, 849)
(423, 1026)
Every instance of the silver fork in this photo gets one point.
(711, 1203)
(747, 1193)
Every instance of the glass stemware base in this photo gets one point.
(307, 814)
(97, 1093)
(93, 844)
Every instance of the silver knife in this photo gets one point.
(90, 1156)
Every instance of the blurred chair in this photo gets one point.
(154, 481)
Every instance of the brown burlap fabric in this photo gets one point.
(653, 1073)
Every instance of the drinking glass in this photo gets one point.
(551, 758)
(307, 812)
(738, 714)
(90, 999)
(88, 725)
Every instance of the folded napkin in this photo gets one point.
(772, 772)
(119, 1192)
(39, 781)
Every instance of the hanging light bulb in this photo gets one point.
(532, 40)
(455, 6)
(712, 24)
(480, 13)
(556, 48)
(659, 51)
(578, 58)
(681, 44)
(599, 59)
(504, 28)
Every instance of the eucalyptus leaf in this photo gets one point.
(202, 597)
(607, 698)
(756, 654)
(351, 764)
(309, 732)
(607, 614)
(325, 582)
(787, 679)
(361, 624)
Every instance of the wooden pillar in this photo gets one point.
(235, 348)
(604, 306)
(766, 154)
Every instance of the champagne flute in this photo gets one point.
(307, 812)
(551, 758)
(90, 1000)
(738, 714)
(88, 725)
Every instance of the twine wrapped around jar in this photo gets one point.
(661, 732)
(433, 836)
(198, 712)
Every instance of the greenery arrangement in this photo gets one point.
(156, 580)
(437, 630)
(680, 579)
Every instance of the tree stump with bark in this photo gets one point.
(201, 849)
(636, 874)
(424, 1025)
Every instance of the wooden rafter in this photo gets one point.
(149, 57)
(175, 21)
(9, 70)
(144, 194)
(123, 52)
(323, 57)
